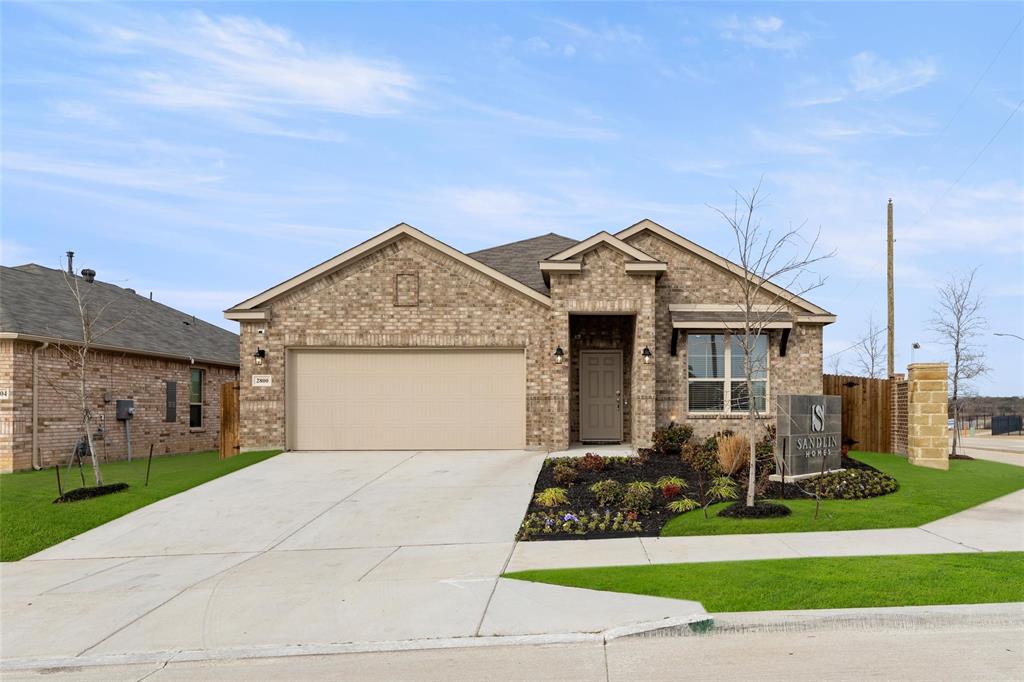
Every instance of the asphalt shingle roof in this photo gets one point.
(520, 260)
(36, 301)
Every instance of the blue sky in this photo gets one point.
(207, 152)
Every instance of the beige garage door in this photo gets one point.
(406, 399)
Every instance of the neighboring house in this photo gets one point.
(166, 361)
(404, 342)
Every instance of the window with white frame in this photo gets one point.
(717, 377)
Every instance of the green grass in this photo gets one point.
(924, 495)
(827, 583)
(30, 522)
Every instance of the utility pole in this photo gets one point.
(891, 339)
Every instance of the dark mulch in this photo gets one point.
(79, 494)
(760, 510)
(649, 468)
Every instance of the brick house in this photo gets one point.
(404, 342)
(168, 363)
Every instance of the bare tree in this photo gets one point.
(958, 322)
(870, 351)
(835, 363)
(767, 256)
(77, 354)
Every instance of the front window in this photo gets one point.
(195, 400)
(718, 369)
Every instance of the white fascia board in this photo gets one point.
(717, 324)
(242, 315)
(598, 239)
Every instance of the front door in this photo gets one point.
(601, 395)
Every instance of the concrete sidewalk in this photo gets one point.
(997, 525)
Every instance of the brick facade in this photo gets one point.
(121, 375)
(407, 294)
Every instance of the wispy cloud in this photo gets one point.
(869, 73)
(767, 33)
(168, 180)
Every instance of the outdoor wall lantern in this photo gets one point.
(647, 355)
(259, 355)
(559, 356)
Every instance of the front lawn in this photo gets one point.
(818, 583)
(924, 495)
(30, 522)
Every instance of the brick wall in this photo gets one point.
(124, 376)
(692, 279)
(454, 306)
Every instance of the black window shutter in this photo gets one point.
(172, 401)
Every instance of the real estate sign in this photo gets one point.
(809, 433)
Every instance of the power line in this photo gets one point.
(840, 352)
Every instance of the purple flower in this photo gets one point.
(570, 517)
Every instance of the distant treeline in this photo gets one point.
(989, 405)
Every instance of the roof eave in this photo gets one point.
(39, 338)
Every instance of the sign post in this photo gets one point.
(808, 436)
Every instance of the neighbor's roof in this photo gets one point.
(519, 259)
(35, 302)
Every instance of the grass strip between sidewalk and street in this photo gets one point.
(811, 583)
(30, 522)
(924, 495)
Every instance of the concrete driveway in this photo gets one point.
(304, 550)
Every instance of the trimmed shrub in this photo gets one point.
(607, 492)
(853, 484)
(564, 473)
(591, 462)
(702, 459)
(671, 439)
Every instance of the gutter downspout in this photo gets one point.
(35, 405)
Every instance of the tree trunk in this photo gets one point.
(92, 452)
(751, 434)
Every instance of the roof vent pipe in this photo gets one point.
(71, 260)
(89, 275)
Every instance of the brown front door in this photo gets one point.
(601, 395)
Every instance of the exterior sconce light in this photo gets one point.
(647, 355)
(259, 355)
(559, 356)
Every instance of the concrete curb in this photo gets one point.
(663, 627)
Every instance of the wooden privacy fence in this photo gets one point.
(229, 419)
(867, 410)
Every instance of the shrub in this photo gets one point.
(703, 460)
(607, 492)
(670, 440)
(854, 484)
(564, 473)
(638, 497)
(683, 505)
(670, 486)
(551, 497)
(591, 462)
(733, 452)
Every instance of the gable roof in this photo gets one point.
(35, 303)
(248, 307)
(724, 263)
(519, 259)
(598, 239)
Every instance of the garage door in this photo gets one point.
(406, 399)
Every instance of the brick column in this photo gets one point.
(926, 417)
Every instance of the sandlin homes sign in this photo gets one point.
(809, 434)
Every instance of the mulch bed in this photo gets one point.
(79, 494)
(625, 470)
(959, 456)
(760, 510)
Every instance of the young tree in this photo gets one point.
(89, 317)
(782, 257)
(835, 363)
(870, 351)
(957, 323)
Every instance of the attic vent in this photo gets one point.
(130, 291)
(89, 275)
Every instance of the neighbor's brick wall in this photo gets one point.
(927, 442)
(456, 306)
(692, 279)
(125, 376)
(603, 286)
